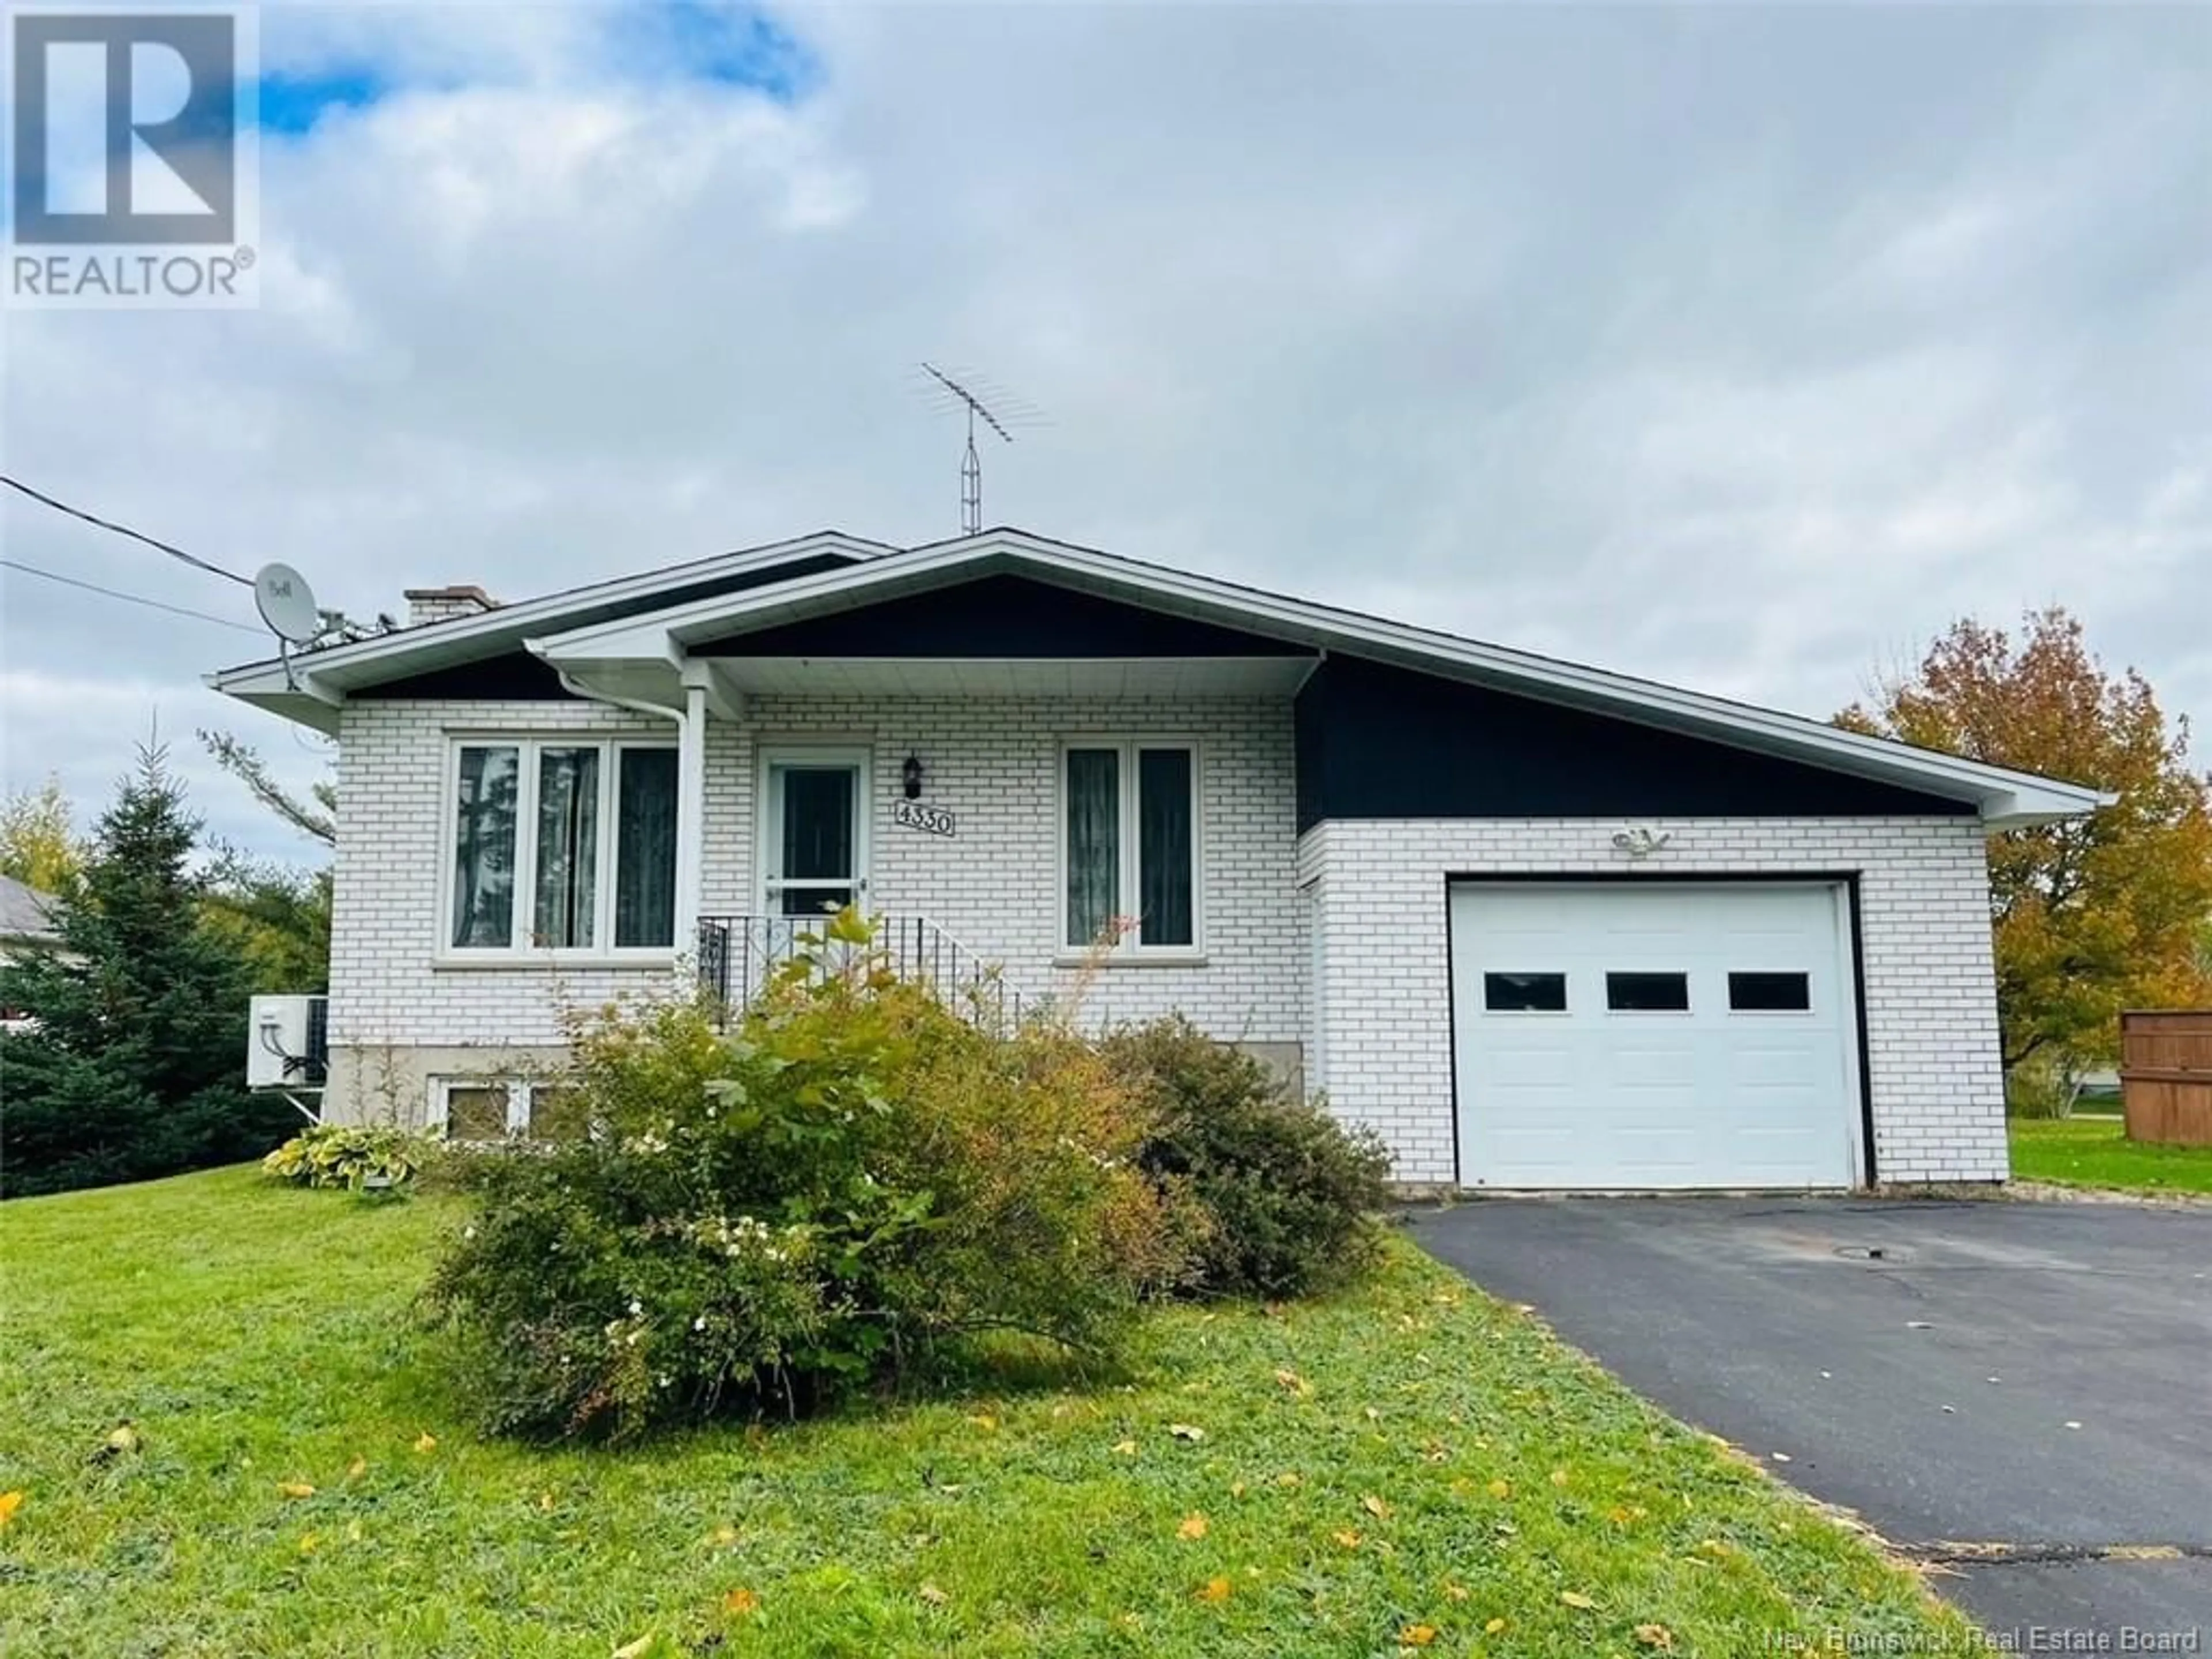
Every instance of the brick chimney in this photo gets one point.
(437, 605)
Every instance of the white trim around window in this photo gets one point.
(521, 939)
(1185, 941)
(518, 1107)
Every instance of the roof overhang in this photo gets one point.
(2003, 798)
(311, 687)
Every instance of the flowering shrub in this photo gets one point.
(349, 1155)
(821, 1198)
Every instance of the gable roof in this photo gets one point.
(654, 637)
(24, 912)
(316, 680)
(2004, 798)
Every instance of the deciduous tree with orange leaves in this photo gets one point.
(2094, 914)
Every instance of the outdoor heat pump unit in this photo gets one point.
(288, 1042)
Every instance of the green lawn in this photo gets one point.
(1414, 1465)
(2095, 1152)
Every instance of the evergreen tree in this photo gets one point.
(136, 1066)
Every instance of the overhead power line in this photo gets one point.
(191, 559)
(128, 599)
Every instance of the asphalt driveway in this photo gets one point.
(2020, 1391)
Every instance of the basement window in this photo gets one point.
(486, 1111)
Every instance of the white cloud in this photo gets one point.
(1745, 347)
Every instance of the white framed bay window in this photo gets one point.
(1129, 840)
(559, 844)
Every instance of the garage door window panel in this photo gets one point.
(1638, 991)
(1769, 993)
(1525, 993)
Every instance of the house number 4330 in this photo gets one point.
(932, 820)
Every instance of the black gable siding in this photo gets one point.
(999, 616)
(512, 673)
(1379, 742)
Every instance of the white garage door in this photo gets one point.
(1613, 1035)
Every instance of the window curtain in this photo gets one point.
(567, 847)
(645, 848)
(1164, 846)
(484, 848)
(1094, 846)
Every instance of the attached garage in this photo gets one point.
(1631, 1035)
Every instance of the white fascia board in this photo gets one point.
(460, 639)
(2005, 798)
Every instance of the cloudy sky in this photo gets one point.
(1743, 347)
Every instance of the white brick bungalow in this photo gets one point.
(1542, 925)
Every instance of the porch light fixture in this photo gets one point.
(910, 775)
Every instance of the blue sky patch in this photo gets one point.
(292, 104)
(731, 46)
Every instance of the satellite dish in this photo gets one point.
(287, 604)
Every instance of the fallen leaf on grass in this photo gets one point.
(1289, 1478)
(931, 1594)
(740, 1602)
(1216, 1589)
(427, 1442)
(1654, 1636)
(1500, 1489)
(546, 1502)
(1558, 1477)
(723, 1537)
(353, 1532)
(1292, 1382)
(634, 1650)
(1491, 1626)
(296, 1489)
(1125, 1448)
(1457, 1592)
(1189, 1431)
(1577, 1599)
(357, 1469)
(1375, 1507)
(985, 1422)
(1417, 1636)
(1237, 1489)
(1193, 1525)
(9, 1502)
(308, 1541)
(1348, 1538)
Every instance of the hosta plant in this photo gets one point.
(349, 1155)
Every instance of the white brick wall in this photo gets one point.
(392, 850)
(1383, 1006)
(1368, 993)
(993, 886)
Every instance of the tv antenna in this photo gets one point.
(956, 394)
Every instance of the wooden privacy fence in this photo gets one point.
(2166, 1075)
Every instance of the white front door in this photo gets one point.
(1637, 1035)
(813, 831)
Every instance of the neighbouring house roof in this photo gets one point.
(24, 912)
(636, 649)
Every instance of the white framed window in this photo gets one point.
(1129, 840)
(479, 1110)
(562, 844)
